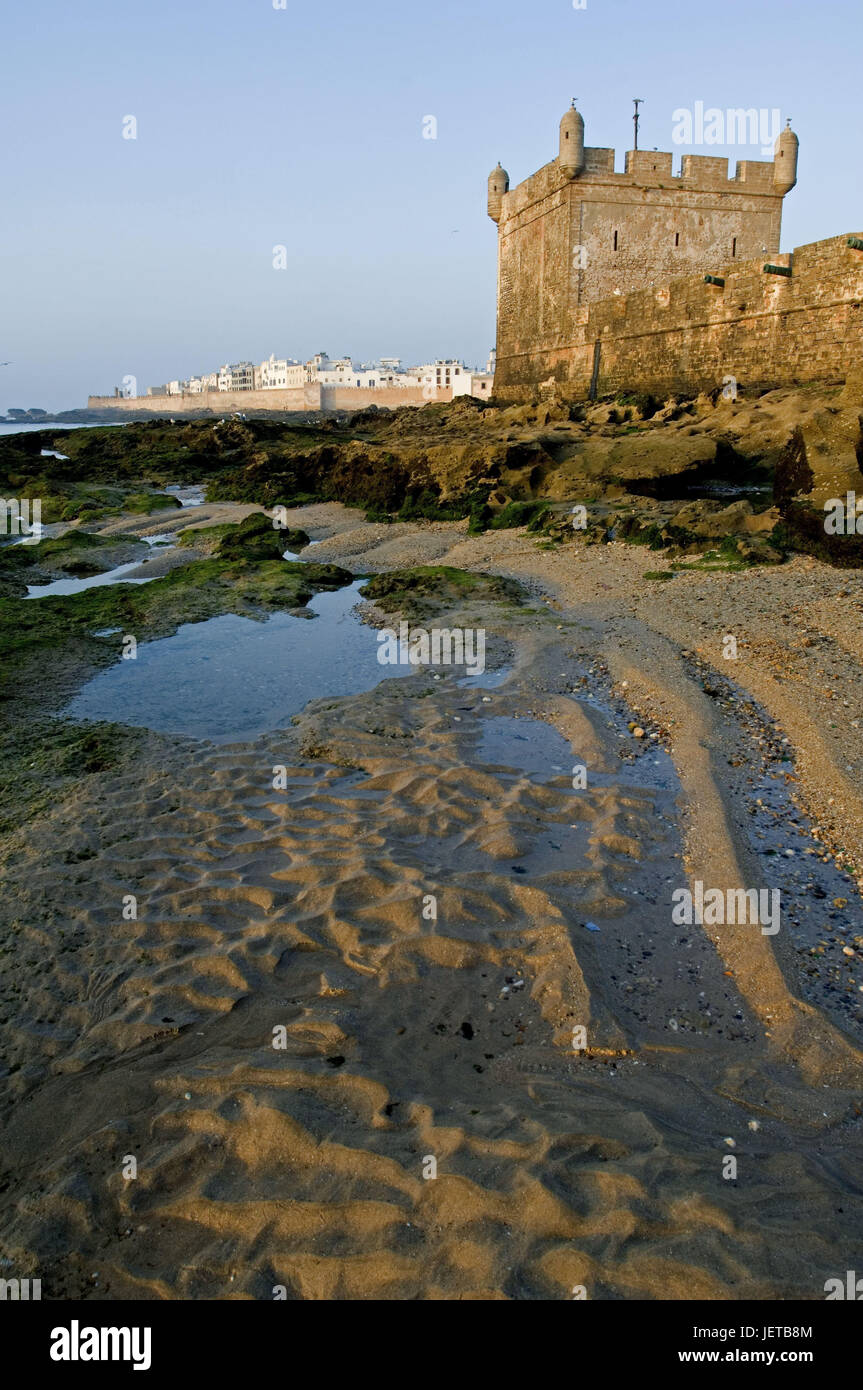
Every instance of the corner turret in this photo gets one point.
(571, 156)
(785, 161)
(498, 184)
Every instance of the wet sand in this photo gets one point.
(414, 1041)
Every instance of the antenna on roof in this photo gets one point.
(637, 101)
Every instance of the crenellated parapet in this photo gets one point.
(654, 169)
(577, 162)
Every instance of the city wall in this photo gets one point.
(686, 336)
(312, 396)
(390, 397)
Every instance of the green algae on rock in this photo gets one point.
(201, 589)
(418, 591)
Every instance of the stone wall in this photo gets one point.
(217, 402)
(313, 396)
(388, 397)
(764, 330)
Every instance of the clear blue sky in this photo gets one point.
(303, 127)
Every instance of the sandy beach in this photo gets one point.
(416, 1023)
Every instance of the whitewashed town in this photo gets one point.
(284, 373)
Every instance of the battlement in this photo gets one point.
(641, 164)
(758, 175)
(646, 169)
(598, 161)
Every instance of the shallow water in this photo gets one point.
(526, 745)
(119, 575)
(13, 427)
(186, 496)
(535, 749)
(40, 532)
(299, 558)
(230, 678)
(486, 680)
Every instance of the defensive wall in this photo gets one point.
(762, 328)
(312, 396)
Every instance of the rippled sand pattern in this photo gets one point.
(409, 1040)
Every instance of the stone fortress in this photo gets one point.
(651, 280)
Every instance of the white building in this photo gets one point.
(315, 364)
(343, 371)
(444, 372)
(330, 371)
(196, 385)
(239, 376)
(434, 377)
(478, 384)
(280, 372)
(387, 376)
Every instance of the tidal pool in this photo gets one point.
(118, 575)
(529, 745)
(230, 678)
(536, 749)
(486, 680)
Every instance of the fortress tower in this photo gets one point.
(576, 232)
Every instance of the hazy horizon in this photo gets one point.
(262, 127)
